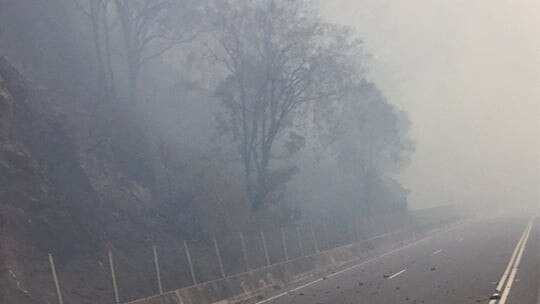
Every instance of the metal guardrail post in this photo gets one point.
(244, 250)
(356, 230)
(156, 264)
(55, 278)
(188, 256)
(113, 276)
(314, 238)
(284, 244)
(219, 258)
(265, 249)
(325, 231)
(299, 236)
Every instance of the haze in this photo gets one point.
(269, 151)
(468, 74)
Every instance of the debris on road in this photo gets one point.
(495, 296)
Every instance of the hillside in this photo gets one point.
(59, 197)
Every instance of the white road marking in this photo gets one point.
(508, 287)
(273, 298)
(437, 252)
(460, 240)
(538, 235)
(356, 266)
(396, 274)
(306, 285)
(511, 263)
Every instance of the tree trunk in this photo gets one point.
(259, 198)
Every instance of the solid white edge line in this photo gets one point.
(538, 243)
(512, 259)
(357, 265)
(273, 298)
(504, 277)
(306, 285)
(396, 274)
(506, 292)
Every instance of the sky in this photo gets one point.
(468, 74)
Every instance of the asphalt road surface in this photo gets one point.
(463, 265)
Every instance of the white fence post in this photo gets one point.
(356, 230)
(325, 231)
(156, 264)
(284, 244)
(219, 258)
(188, 256)
(314, 238)
(300, 241)
(244, 250)
(265, 249)
(113, 276)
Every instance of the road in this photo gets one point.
(462, 265)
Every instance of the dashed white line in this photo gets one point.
(460, 240)
(396, 274)
(437, 252)
(356, 266)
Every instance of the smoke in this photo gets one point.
(468, 74)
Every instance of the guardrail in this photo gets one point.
(188, 265)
